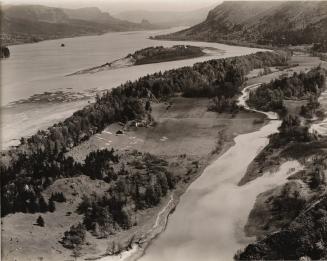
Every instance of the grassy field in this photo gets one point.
(182, 126)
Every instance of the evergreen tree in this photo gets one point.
(40, 221)
(33, 207)
(52, 206)
(43, 205)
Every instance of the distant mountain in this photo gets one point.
(30, 23)
(261, 22)
(35, 13)
(93, 14)
(166, 18)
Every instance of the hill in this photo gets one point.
(261, 22)
(166, 18)
(30, 23)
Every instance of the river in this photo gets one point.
(208, 223)
(41, 67)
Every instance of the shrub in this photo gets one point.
(74, 237)
(40, 221)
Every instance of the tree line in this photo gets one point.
(271, 96)
(160, 53)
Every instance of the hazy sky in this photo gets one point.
(115, 6)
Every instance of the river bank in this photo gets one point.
(289, 211)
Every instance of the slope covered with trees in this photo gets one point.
(32, 23)
(260, 22)
(270, 97)
(304, 234)
(290, 220)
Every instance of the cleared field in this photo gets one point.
(184, 126)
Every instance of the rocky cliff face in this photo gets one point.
(276, 23)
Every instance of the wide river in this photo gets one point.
(208, 222)
(41, 67)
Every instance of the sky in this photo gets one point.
(116, 6)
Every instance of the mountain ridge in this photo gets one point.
(166, 18)
(261, 22)
(32, 23)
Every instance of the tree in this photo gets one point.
(33, 207)
(40, 221)
(74, 237)
(148, 106)
(52, 206)
(58, 196)
(43, 205)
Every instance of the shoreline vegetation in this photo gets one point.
(149, 55)
(271, 97)
(130, 187)
(292, 213)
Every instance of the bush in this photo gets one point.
(40, 221)
(74, 237)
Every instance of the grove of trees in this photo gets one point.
(270, 96)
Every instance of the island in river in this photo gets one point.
(150, 55)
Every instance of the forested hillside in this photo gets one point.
(31, 23)
(271, 96)
(290, 220)
(268, 23)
